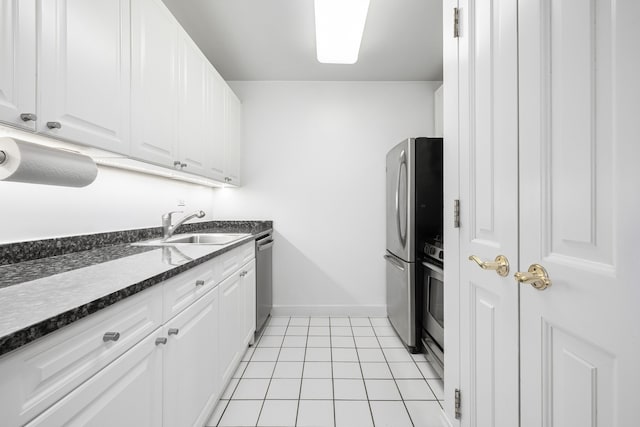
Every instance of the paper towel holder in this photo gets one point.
(3, 157)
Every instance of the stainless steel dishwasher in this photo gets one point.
(264, 279)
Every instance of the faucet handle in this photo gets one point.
(167, 216)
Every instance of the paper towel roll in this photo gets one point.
(37, 164)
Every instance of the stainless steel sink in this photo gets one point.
(196, 239)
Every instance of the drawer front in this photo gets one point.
(184, 289)
(231, 261)
(39, 374)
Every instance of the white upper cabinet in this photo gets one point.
(18, 63)
(194, 126)
(214, 148)
(84, 72)
(154, 86)
(232, 136)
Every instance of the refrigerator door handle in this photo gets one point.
(393, 262)
(403, 162)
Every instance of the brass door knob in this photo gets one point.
(500, 265)
(536, 276)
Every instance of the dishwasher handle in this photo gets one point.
(264, 245)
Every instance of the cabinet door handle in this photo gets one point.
(161, 340)
(183, 165)
(177, 163)
(28, 117)
(173, 331)
(54, 125)
(111, 336)
(199, 282)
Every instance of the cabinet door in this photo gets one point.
(154, 86)
(232, 136)
(249, 286)
(231, 324)
(194, 124)
(17, 61)
(191, 383)
(126, 393)
(84, 72)
(214, 149)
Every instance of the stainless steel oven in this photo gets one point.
(433, 312)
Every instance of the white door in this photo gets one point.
(191, 380)
(18, 63)
(84, 72)
(154, 83)
(489, 212)
(579, 115)
(194, 122)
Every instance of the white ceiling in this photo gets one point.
(275, 39)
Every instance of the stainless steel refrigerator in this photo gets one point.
(414, 199)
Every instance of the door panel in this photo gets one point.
(17, 61)
(578, 115)
(84, 71)
(154, 83)
(489, 211)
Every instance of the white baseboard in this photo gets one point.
(330, 310)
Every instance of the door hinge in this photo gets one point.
(457, 404)
(456, 22)
(456, 213)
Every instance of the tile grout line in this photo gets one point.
(394, 378)
(255, 346)
(333, 391)
(364, 384)
(274, 369)
(304, 361)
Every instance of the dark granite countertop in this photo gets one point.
(48, 284)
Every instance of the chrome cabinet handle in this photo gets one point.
(199, 282)
(54, 125)
(500, 265)
(173, 331)
(536, 276)
(28, 117)
(161, 340)
(111, 336)
(177, 163)
(183, 165)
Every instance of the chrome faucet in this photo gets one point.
(168, 229)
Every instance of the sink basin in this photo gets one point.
(196, 239)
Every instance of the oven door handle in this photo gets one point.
(393, 262)
(433, 267)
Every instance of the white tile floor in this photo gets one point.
(338, 371)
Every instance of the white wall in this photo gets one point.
(116, 200)
(314, 162)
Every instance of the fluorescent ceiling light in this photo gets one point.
(339, 27)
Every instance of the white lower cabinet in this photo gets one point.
(191, 383)
(231, 325)
(249, 285)
(128, 392)
(160, 367)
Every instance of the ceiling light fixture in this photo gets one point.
(339, 28)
